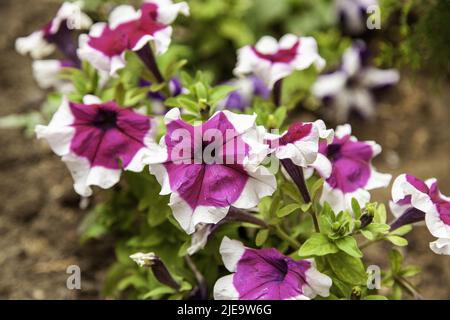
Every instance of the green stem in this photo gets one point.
(284, 236)
(369, 243)
(409, 287)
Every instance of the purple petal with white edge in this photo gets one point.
(267, 274)
(97, 140)
(351, 60)
(441, 246)
(271, 60)
(47, 75)
(202, 191)
(70, 14)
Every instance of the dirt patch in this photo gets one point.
(38, 209)
(39, 212)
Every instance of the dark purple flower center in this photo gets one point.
(333, 151)
(105, 119)
(282, 55)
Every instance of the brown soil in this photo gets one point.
(39, 212)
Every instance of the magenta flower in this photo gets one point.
(97, 140)
(415, 200)
(128, 29)
(57, 33)
(212, 166)
(271, 60)
(352, 171)
(266, 274)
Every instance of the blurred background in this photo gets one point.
(39, 211)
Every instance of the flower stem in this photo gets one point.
(284, 236)
(409, 287)
(235, 214)
(276, 92)
(147, 56)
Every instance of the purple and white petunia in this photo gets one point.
(130, 29)
(349, 88)
(212, 166)
(300, 143)
(266, 274)
(352, 172)
(247, 89)
(415, 200)
(97, 140)
(352, 14)
(57, 33)
(271, 60)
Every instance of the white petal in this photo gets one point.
(441, 246)
(35, 45)
(351, 60)
(168, 12)
(437, 227)
(398, 189)
(231, 252)
(329, 84)
(200, 238)
(267, 45)
(323, 166)
(162, 40)
(378, 180)
(317, 283)
(189, 218)
(308, 55)
(85, 176)
(261, 183)
(59, 131)
(225, 290)
(373, 77)
(46, 73)
(343, 130)
(288, 41)
(123, 14)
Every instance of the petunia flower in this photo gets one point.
(97, 140)
(271, 60)
(298, 151)
(247, 89)
(266, 274)
(47, 74)
(415, 200)
(352, 172)
(352, 14)
(212, 166)
(57, 33)
(350, 88)
(152, 261)
(130, 29)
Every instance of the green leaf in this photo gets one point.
(356, 208)
(378, 228)
(316, 187)
(287, 210)
(261, 237)
(375, 297)
(220, 92)
(350, 246)
(347, 268)
(317, 245)
(368, 235)
(155, 293)
(395, 260)
(397, 240)
(380, 214)
(410, 271)
(402, 230)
